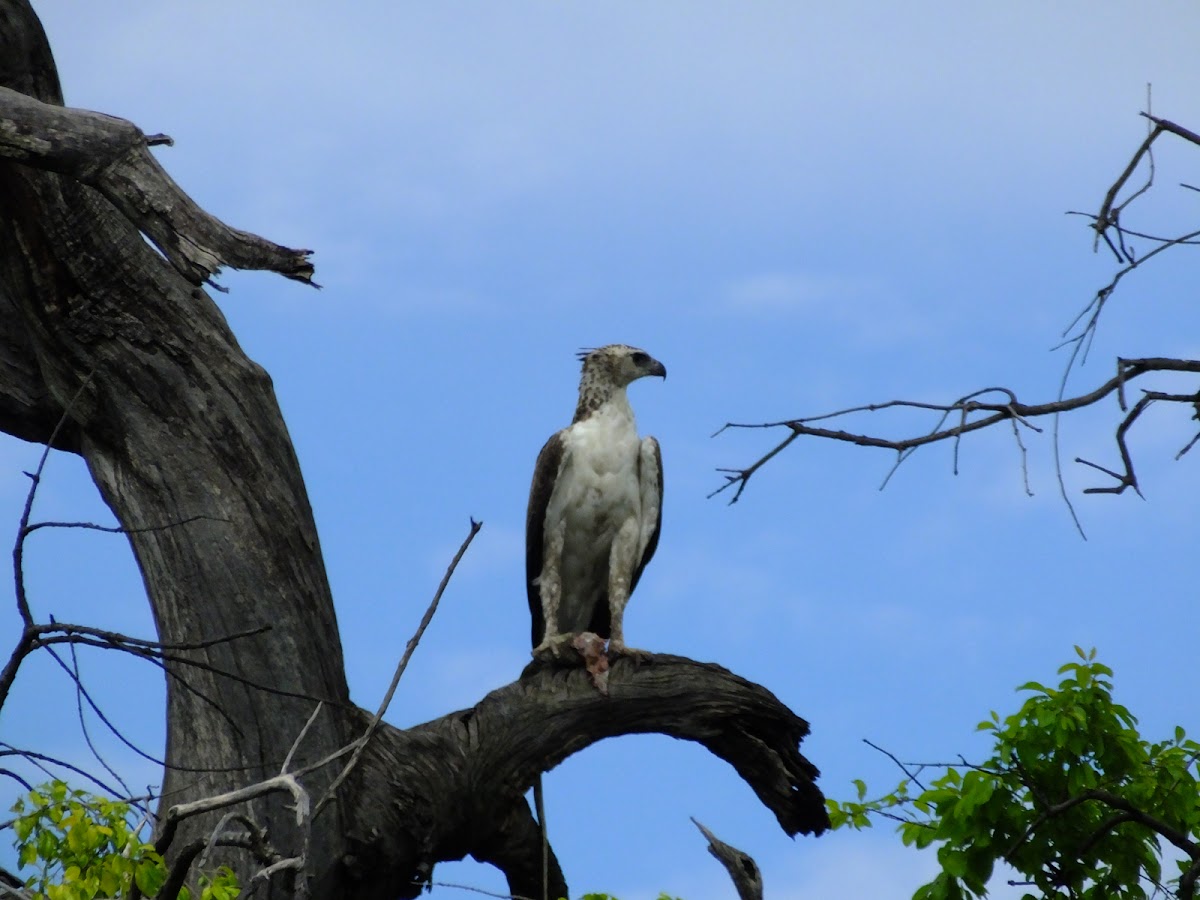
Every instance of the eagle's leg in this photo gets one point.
(549, 585)
(620, 576)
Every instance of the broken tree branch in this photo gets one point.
(361, 743)
(742, 869)
(112, 155)
(497, 748)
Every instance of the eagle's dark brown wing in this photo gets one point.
(545, 473)
(652, 454)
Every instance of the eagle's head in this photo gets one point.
(619, 365)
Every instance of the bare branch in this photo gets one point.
(37, 759)
(22, 528)
(1130, 813)
(361, 743)
(149, 650)
(902, 766)
(741, 477)
(476, 890)
(972, 414)
(114, 639)
(178, 813)
(1178, 130)
(12, 887)
(292, 862)
(986, 415)
(117, 529)
(1105, 216)
(21, 781)
(1187, 881)
(287, 760)
(80, 694)
(253, 840)
(112, 155)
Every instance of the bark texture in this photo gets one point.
(180, 429)
(174, 423)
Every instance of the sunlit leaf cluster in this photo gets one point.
(1072, 798)
(81, 846)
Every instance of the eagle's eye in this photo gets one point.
(640, 358)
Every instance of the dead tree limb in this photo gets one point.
(969, 413)
(113, 156)
(972, 414)
(500, 745)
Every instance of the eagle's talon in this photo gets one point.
(618, 650)
(557, 649)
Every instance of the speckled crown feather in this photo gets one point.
(601, 376)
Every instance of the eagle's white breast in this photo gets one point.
(597, 491)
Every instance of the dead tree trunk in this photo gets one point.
(175, 423)
(185, 441)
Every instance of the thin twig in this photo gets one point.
(83, 694)
(287, 760)
(115, 640)
(36, 759)
(292, 862)
(1078, 336)
(1113, 801)
(35, 479)
(361, 743)
(474, 890)
(178, 813)
(742, 476)
(218, 831)
(903, 768)
(80, 693)
(120, 529)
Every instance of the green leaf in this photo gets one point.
(24, 827)
(149, 877)
(954, 862)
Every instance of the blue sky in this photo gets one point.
(797, 208)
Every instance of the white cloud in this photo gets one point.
(863, 308)
(444, 110)
(773, 292)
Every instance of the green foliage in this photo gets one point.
(223, 885)
(1072, 798)
(82, 847)
(662, 896)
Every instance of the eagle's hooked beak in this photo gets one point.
(658, 369)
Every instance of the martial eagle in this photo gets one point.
(595, 508)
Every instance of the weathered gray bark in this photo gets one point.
(178, 426)
(174, 423)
